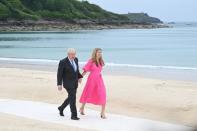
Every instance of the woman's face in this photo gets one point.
(99, 54)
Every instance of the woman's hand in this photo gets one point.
(80, 80)
(84, 73)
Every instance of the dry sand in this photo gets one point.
(164, 100)
(15, 123)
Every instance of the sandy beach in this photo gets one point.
(23, 124)
(162, 100)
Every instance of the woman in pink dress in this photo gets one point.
(94, 91)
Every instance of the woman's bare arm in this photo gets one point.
(84, 73)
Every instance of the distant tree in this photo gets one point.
(4, 12)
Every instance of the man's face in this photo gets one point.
(72, 55)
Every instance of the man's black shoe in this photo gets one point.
(75, 118)
(61, 111)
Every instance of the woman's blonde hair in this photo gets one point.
(99, 61)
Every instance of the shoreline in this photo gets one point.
(23, 26)
(143, 72)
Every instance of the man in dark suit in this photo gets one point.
(68, 74)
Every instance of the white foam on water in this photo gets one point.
(107, 64)
(151, 66)
(28, 60)
(49, 113)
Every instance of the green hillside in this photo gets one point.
(54, 9)
(66, 10)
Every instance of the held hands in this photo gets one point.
(83, 74)
(80, 80)
(59, 88)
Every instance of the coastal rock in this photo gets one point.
(27, 15)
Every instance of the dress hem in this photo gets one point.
(93, 103)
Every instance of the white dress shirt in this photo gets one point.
(73, 64)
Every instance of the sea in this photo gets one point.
(164, 53)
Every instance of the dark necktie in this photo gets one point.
(72, 63)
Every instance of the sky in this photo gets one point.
(166, 10)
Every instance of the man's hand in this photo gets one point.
(80, 80)
(59, 87)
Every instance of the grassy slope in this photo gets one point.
(53, 9)
(66, 10)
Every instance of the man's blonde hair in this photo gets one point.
(71, 50)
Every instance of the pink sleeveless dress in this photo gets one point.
(94, 91)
